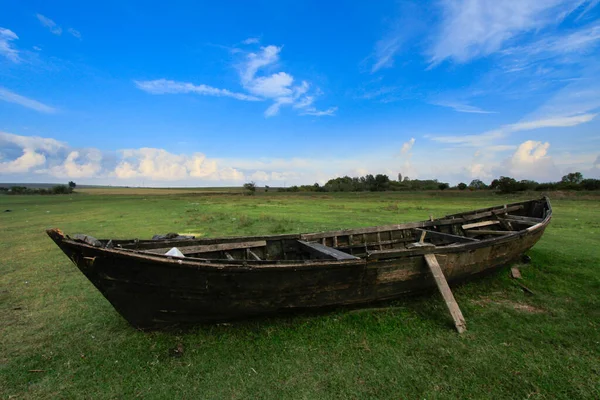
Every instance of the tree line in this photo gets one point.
(381, 183)
(57, 189)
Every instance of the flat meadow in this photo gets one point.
(59, 338)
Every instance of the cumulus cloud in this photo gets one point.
(6, 48)
(530, 161)
(48, 23)
(21, 154)
(161, 165)
(25, 155)
(12, 97)
(78, 164)
(407, 146)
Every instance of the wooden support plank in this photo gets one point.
(379, 240)
(253, 255)
(479, 224)
(446, 237)
(326, 252)
(487, 232)
(209, 247)
(229, 256)
(523, 220)
(442, 284)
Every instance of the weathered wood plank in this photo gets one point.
(487, 232)
(209, 248)
(325, 251)
(253, 255)
(446, 237)
(523, 218)
(442, 284)
(479, 224)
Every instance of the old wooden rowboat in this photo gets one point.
(239, 277)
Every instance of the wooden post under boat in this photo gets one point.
(442, 284)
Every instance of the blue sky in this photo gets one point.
(220, 93)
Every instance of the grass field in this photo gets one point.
(60, 338)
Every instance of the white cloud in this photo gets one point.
(319, 113)
(460, 107)
(530, 161)
(27, 152)
(6, 48)
(48, 23)
(254, 61)
(75, 33)
(489, 138)
(385, 50)
(13, 97)
(252, 40)
(477, 28)
(165, 86)
(89, 165)
(277, 86)
(273, 86)
(161, 165)
(407, 146)
(555, 122)
(28, 160)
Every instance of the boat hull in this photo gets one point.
(153, 292)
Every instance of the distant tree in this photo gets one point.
(462, 186)
(250, 188)
(506, 184)
(399, 177)
(494, 184)
(406, 179)
(590, 184)
(572, 178)
(267, 188)
(61, 189)
(72, 184)
(443, 186)
(477, 184)
(526, 184)
(382, 182)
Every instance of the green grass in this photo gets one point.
(60, 338)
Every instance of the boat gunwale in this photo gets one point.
(253, 265)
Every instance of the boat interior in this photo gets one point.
(354, 244)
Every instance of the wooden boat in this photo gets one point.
(239, 277)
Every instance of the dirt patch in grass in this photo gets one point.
(523, 307)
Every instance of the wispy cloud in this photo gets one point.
(75, 33)
(319, 113)
(259, 79)
(477, 28)
(251, 40)
(48, 23)
(13, 97)
(490, 138)
(385, 50)
(165, 86)
(461, 107)
(6, 48)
